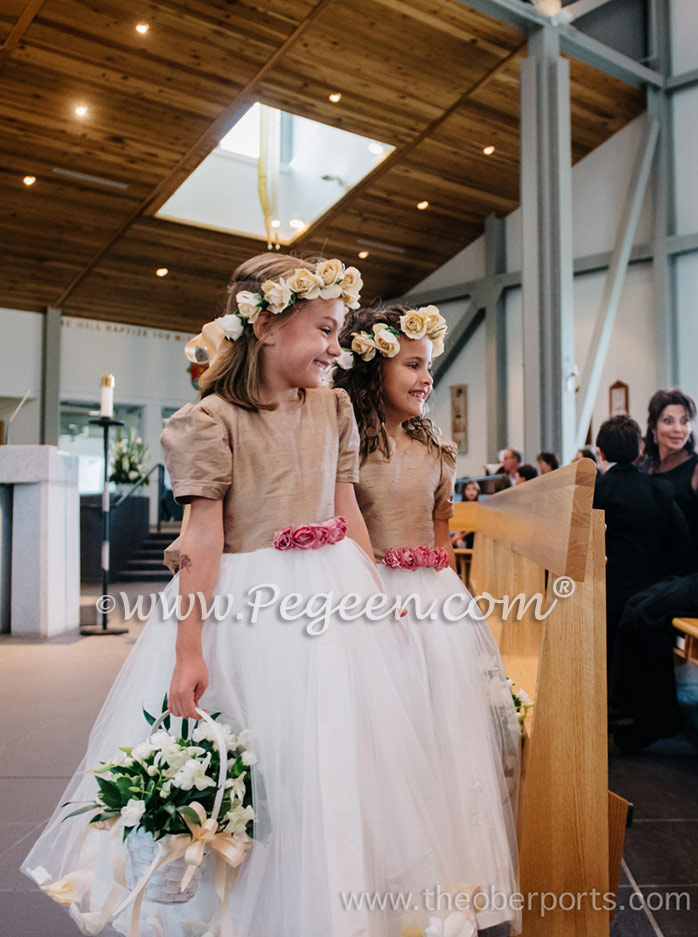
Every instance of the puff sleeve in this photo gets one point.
(443, 497)
(348, 456)
(198, 453)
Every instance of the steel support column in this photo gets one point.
(546, 202)
(50, 377)
(659, 107)
(495, 339)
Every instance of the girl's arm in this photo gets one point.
(346, 506)
(442, 538)
(200, 557)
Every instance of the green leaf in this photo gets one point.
(148, 718)
(187, 813)
(77, 813)
(185, 728)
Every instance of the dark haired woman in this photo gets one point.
(670, 449)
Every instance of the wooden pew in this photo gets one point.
(689, 628)
(544, 538)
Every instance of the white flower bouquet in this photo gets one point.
(128, 458)
(177, 798)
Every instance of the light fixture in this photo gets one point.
(375, 148)
(29, 180)
(488, 150)
(422, 205)
(81, 110)
(363, 254)
(335, 97)
(296, 223)
(275, 223)
(161, 272)
(142, 28)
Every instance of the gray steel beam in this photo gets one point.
(684, 80)
(603, 328)
(546, 202)
(50, 377)
(495, 339)
(469, 322)
(582, 7)
(572, 41)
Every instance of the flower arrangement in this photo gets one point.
(522, 701)
(415, 324)
(416, 558)
(128, 459)
(311, 536)
(152, 785)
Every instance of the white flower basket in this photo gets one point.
(165, 885)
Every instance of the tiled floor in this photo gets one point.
(660, 860)
(51, 691)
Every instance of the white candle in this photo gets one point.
(106, 405)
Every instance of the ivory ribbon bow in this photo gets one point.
(230, 850)
(210, 340)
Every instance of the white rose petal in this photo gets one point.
(345, 360)
(142, 751)
(133, 811)
(248, 304)
(232, 326)
(330, 271)
(278, 295)
(248, 758)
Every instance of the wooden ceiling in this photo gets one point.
(434, 78)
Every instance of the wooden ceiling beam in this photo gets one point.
(18, 30)
(400, 153)
(198, 151)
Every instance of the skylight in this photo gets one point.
(305, 167)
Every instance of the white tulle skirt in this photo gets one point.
(371, 785)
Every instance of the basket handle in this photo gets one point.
(222, 753)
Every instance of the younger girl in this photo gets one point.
(346, 801)
(405, 493)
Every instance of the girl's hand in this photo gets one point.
(189, 681)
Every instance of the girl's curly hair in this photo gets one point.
(364, 384)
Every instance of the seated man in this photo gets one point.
(647, 537)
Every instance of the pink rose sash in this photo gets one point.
(416, 558)
(311, 536)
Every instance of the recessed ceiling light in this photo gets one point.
(363, 254)
(296, 223)
(81, 110)
(422, 205)
(335, 97)
(142, 28)
(488, 150)
(375, 148)
(29, 180)
(275, 223)
(161, 272)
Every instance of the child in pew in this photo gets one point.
(405, 493)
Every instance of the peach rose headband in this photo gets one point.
(385, 339)
(330, 280)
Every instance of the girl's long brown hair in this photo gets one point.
(236, 373)
(364, 384)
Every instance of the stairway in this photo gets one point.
(146, 565)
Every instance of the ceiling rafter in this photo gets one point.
(165, 188)
(18, 30)
(398, 155)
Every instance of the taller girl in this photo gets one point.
(346, 799)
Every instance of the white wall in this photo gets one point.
(20, 371)
(148, 364)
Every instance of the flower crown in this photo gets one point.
(330, 280)
(415, 323)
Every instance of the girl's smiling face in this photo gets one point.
(407, 379)
(300, 351)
